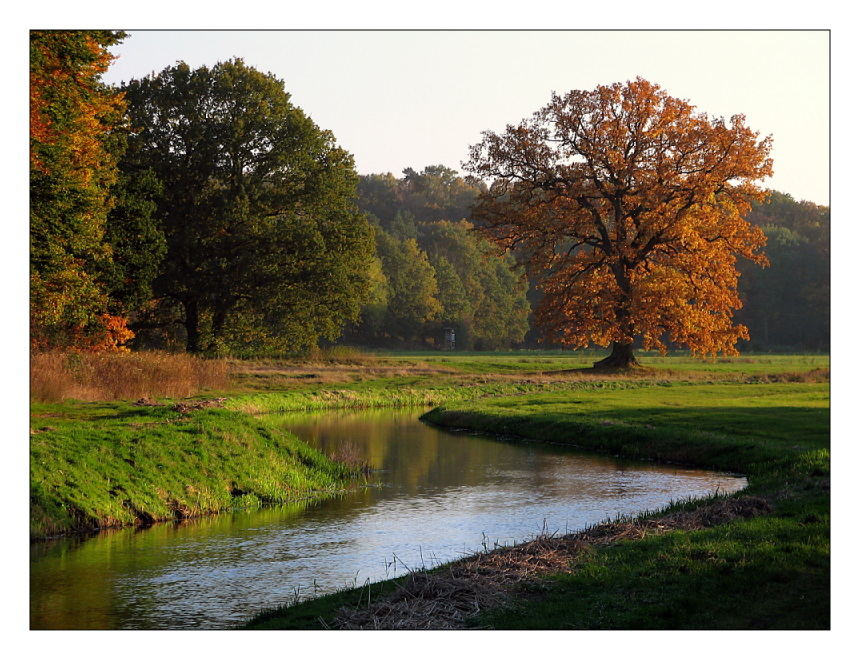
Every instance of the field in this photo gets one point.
(764, 565)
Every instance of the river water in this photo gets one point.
(433, 496)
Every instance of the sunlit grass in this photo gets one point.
(769, 571)
(108, 464)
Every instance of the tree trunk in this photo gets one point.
(192, 326)
(219, 317)
(621, 358)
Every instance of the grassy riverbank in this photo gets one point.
(738, 571)
(98, 464)
(95, 465)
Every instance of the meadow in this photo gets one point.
(111, 463)
(765, 564)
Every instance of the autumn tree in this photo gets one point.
(628, 206)
(73, 171)
(265, 246)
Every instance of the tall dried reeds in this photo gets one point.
(56, 376)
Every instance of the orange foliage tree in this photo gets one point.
(73, 117)
(628, 207)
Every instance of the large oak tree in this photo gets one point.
(628, 206)
(264, 243)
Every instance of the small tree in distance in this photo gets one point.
(628, 207)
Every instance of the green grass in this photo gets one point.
(766, 572)
(482, 375)
(99, 464)
(547, 361)
(312, 614)
(726, 426)
(109, 464)
(770, 572)
(401, 392)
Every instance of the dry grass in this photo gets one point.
(250, 375)
(447, 598)
(341, 355)
(811, 376)
(56, 376)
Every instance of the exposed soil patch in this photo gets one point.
(183, 406)
(199, 405)
(447, 598)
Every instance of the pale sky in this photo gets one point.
(411, 99)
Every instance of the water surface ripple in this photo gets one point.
(434, 497)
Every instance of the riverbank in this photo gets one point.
(100, 465)
(756, 560)
(97, 465)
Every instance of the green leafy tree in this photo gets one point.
(137, 243)
(264, 243)
(438, 193)
(412, 301)
(492, 310)
(376, 307)
(435, 193)
(403, 225)
(379, 195)
(472, 290)
(457, 307)
(502, 317)
(787, 307)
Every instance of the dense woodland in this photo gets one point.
(786, 305)
(199, 209)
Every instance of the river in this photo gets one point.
(432, 496)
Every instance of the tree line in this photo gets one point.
(433, 271)
(787, 305)
(200, 209)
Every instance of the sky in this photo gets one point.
(409, 99)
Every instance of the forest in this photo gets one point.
(200, 210)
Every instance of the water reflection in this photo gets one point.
(433, 496)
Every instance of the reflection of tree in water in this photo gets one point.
(412, 456)
(405, 453)
(74, 575)
(429, 484)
